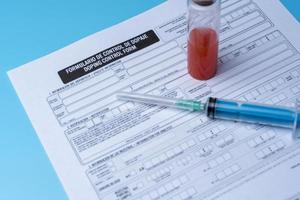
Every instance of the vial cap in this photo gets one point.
(204, 2)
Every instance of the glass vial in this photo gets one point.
(203, 38)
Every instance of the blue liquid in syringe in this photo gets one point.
(255, 113)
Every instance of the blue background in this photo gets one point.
(28, 30)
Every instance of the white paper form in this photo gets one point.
(105, 149)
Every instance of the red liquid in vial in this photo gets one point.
(202, 53)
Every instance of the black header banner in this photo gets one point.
(107, 56)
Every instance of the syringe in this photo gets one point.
(216, 108)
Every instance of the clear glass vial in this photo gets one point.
(203, 38)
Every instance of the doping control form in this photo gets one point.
(105, 149)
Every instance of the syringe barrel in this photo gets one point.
(253, 113)
(296, 128)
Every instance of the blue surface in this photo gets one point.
(293, 6)
(29, 30)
